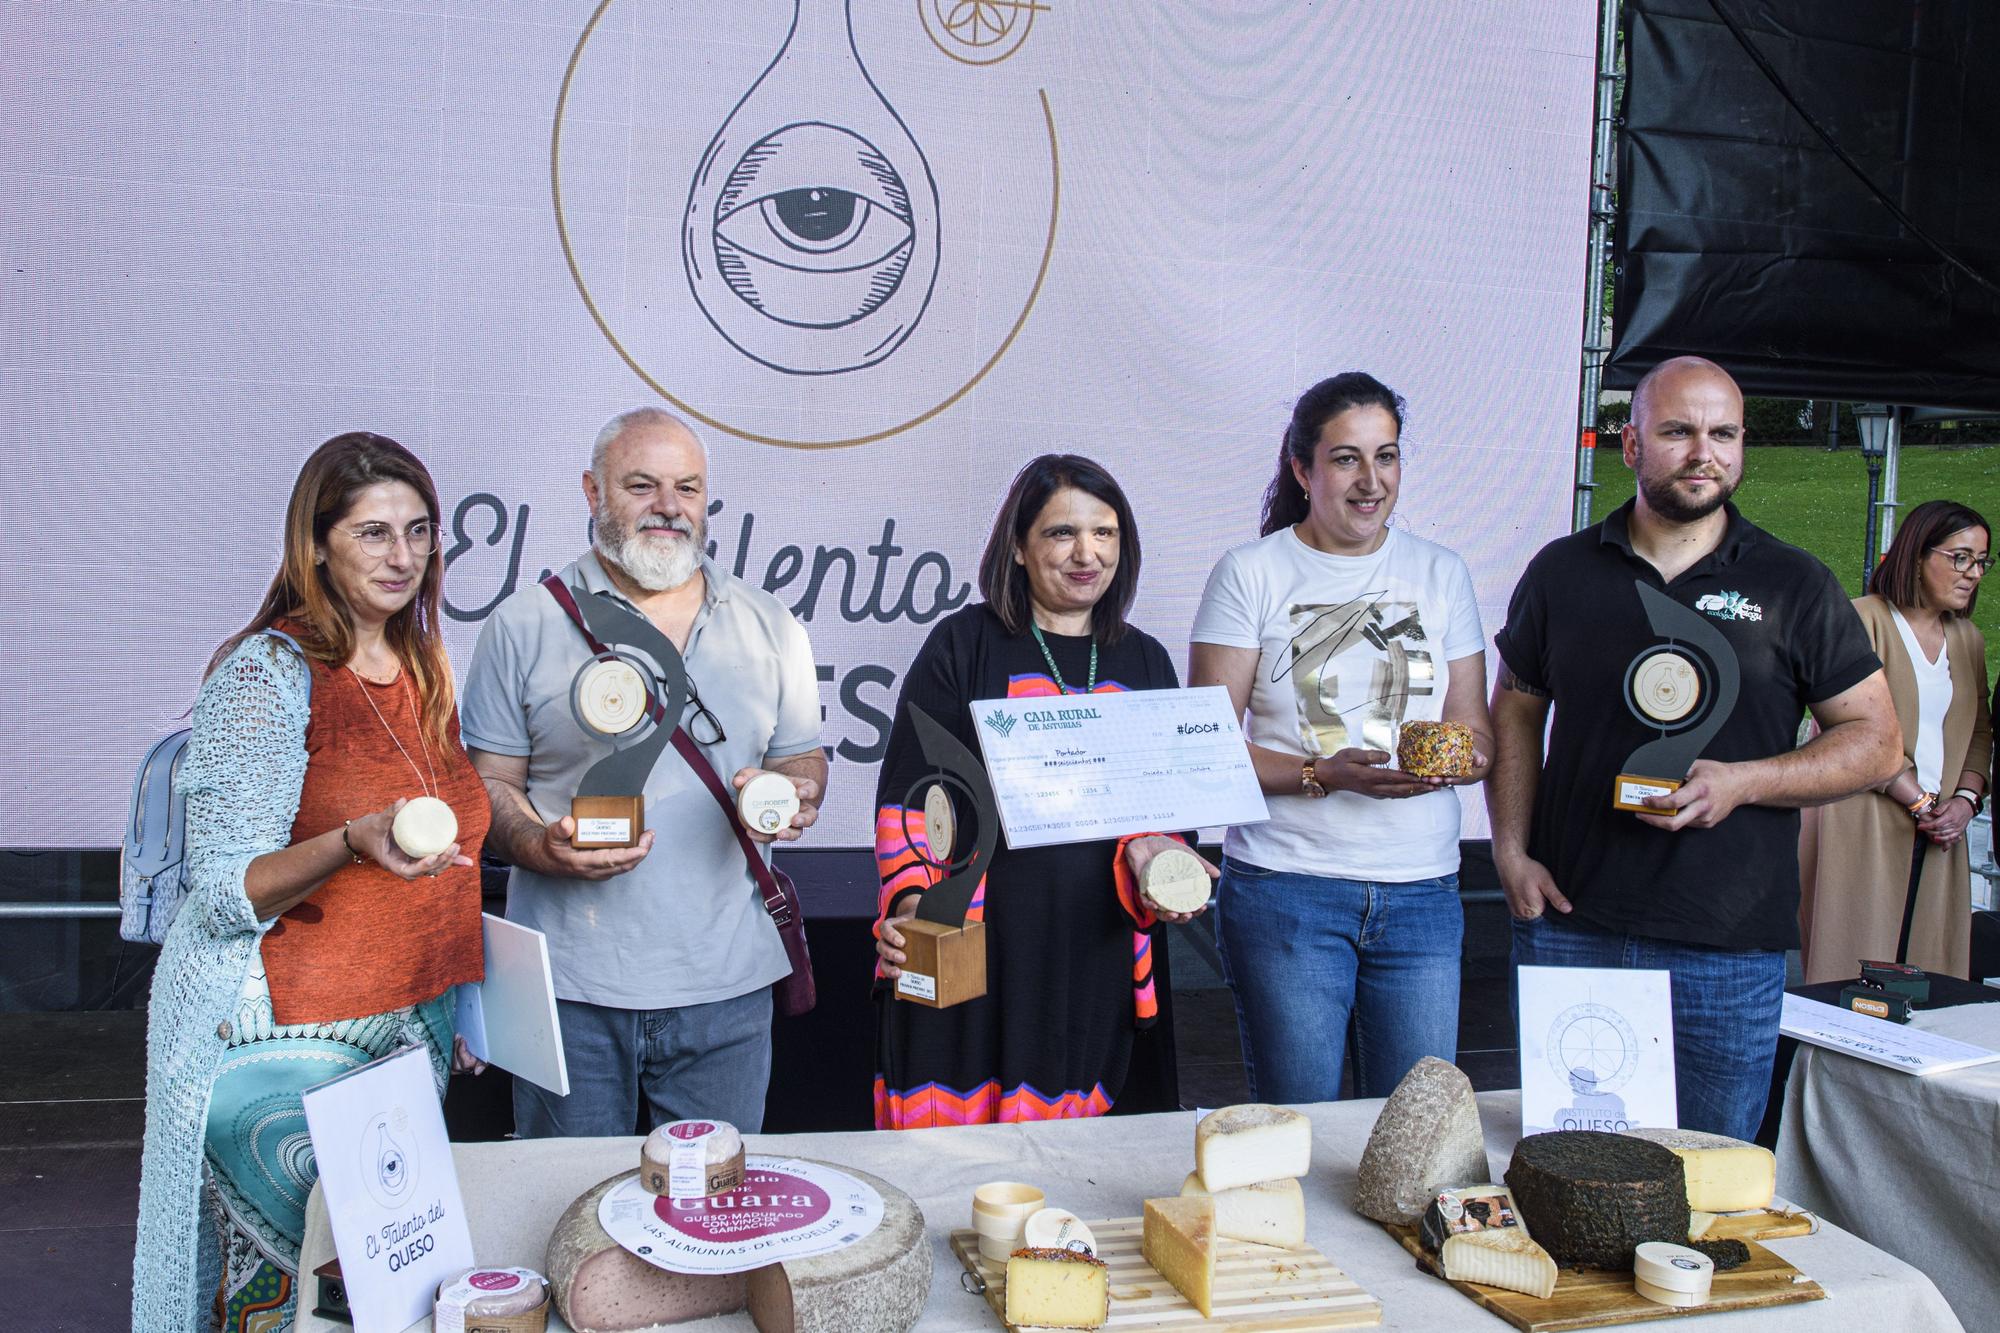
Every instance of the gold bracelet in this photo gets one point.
(1921, 804)
(345, 843)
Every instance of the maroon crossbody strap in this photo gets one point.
(773, 897)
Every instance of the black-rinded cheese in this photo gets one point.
(1591, 1198)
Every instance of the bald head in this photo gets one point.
(1678, 374)
(648, 419)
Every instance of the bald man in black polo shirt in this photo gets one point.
(1705, 882)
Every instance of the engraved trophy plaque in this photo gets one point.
(944, 954)
(616, 697)
(1684, 688)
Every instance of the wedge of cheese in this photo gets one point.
(1178, 1239)
(1249, 1144)
(1500, 1257)
(1724, 1175)
(1272, 1212)
(1049, 1288)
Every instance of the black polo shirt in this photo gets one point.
(1575, 626)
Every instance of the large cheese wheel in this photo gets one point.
(878, 1283)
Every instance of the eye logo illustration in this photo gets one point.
(811, 241)
(387, 1170)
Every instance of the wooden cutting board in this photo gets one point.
(1258, 1289)
(1594, 1298)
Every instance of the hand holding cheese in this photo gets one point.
(424, 827)
(376, 838)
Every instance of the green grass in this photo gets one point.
(1818, 500)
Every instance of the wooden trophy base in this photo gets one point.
(607, 821)
(1629, 792)
(944, 965)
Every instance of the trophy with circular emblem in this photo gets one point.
(946, 954)
(616, 697)
(1684, 688)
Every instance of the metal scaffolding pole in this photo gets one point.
(1603, 162)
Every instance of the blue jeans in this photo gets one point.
(1726, 1005)
(1309, 956)
(701, 1061)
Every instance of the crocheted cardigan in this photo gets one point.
(242, 773)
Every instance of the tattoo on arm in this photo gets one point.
(1510, 681)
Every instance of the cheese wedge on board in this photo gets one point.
(1249, 1144)
(1049, 1288)
(1500, 1257)
(1178, 1239)
(1724, 1175)
(1272, 1212)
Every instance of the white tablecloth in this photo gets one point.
(514, 1192)
(1913, 1164)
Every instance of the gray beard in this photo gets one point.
(649, 566)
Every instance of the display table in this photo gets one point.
(515, 1191)
(1913, 1164)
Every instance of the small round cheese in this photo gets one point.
(1672, 1274)
(1057, 1229)
(494, 1293)
(424, 827)
(1177, 880)
(710, 1153)
(768, 802)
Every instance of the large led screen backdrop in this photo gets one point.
(880, 251)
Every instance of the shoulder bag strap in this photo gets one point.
(767, 885)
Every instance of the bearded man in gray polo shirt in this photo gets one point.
(663, 953)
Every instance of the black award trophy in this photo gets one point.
(1684, 688)
(617, 697)
(945, 955)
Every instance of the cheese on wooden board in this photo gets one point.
(1249, 1144)
(880, 1282)
(1178, 1238)
(1500, 1257)
(1271, 1212)
(1724, 1175)
(1049, 1288)
(1427, 1138)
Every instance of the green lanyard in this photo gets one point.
(1050, 658)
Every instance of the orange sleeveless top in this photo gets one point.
(367, 941)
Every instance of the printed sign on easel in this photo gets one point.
(1597, 1049)
(391, 1188)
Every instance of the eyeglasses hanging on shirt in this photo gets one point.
(703, 720)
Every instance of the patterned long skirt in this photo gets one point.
(259, 1154)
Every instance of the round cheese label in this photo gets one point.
(784, 1209)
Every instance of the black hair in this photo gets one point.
(1285, 501)
(1899, 578)
(1004, 583)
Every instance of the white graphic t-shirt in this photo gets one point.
(1349, 648)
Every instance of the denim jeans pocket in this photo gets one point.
(1244, 870)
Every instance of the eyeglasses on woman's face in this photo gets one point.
(378, 539)
(1962, 560)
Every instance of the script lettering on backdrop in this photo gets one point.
(882, 583)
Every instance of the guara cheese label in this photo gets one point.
(786, 1208)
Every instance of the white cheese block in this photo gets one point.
(1249, 1144)
(424, 827)
(1271, 1212)
(1177, 879)
(1500, 1257)
(878, 1283)
(768, 802)
(1724, 1175)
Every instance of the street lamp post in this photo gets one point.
(1879, 425)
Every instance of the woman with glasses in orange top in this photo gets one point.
(1884, 873)
(309, 943)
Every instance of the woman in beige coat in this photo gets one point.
(1857, 857)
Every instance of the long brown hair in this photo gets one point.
(301, 591)
(1899, 578)
(1004, 583)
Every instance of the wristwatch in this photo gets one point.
(1309, 781)
(1978, 801)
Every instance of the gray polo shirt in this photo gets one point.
(685, 926)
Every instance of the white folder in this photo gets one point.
(510, 1019)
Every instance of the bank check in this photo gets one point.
(1076, 767)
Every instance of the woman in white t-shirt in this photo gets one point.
(1331, 631)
